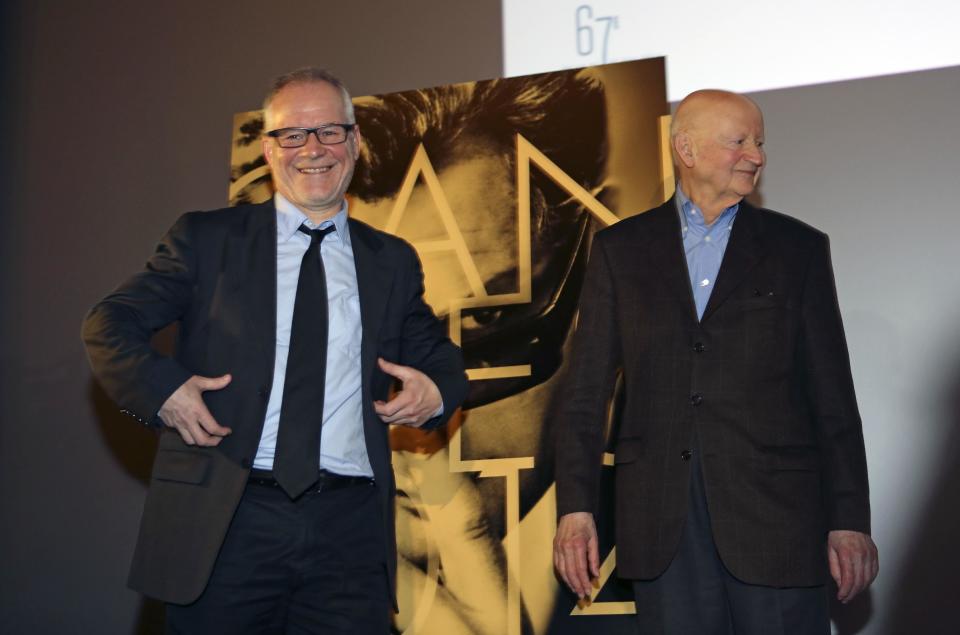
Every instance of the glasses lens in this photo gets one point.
(291, 137)
(334, 133)
(331, 134)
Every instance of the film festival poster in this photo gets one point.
(499, 185)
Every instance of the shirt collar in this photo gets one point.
(690, 214)
(290, 217)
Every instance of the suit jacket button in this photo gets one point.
(699, 347)
(696, 399)
(263, 392)
(686, 454)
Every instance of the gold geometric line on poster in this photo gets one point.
(590, 607)
(604, 608)
(505, 468)
(509, 468)
(666, 157)
(420, 165)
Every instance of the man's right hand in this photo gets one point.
(185, 411)
(576, 554)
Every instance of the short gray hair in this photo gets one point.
(309, 75)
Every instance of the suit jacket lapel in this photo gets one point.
(665, 249)
(256, 246)
(374, 281)
(744, 251)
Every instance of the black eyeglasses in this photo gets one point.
(328, 134)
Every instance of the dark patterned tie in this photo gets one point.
(296, 463)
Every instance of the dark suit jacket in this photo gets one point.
(215, 273)
(760, 387)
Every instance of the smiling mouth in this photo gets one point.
(320, 170)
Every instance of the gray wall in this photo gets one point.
(875, 164)
(117, 118)
(123, 122)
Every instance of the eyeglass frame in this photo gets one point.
(347, 129)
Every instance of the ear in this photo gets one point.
(684, 149)
(355, 143)
(266, 143)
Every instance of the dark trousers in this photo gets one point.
(316, 564)
(696, 595)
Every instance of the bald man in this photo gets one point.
(741, 479)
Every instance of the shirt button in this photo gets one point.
(686, 454)
(699, 347)
(696, 399)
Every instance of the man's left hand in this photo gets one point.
(415, 404)
(853, 562)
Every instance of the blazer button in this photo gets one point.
(696, 399)
(263, 392)
(686, 454)
(699, 347)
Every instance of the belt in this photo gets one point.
(325, 480)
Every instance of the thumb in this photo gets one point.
(390, 368)
(833, 561)
(213, 383)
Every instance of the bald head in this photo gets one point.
(717, 143)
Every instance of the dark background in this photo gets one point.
(117, 118)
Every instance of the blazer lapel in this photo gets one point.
(665, 249)
(374, 281)
(744, 251)
(256, 246)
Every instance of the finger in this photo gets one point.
(213, 383)
(400, 402)
(185, 434)
(201, 437)
(593, 558)
(568, 575)
(568, 578)
(577, 558)
(395, 370)
(847, 576)
(214, 429)
(210, 425)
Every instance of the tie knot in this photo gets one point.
(317, 235)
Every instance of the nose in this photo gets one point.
(313, 145)
(754, 154)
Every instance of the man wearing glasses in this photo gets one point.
(271, 501)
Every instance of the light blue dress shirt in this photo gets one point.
(704, 246)
(342, 446)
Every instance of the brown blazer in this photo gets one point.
(761, 387)
(215, 274)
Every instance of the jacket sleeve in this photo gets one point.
(830, 392)
(117, 330)
(595, 359)
(426, 347)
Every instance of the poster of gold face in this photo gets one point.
(499, 185)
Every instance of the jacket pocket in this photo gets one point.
(181, 466)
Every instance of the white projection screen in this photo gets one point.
(747, 46)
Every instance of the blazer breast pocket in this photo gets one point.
(767, 302)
